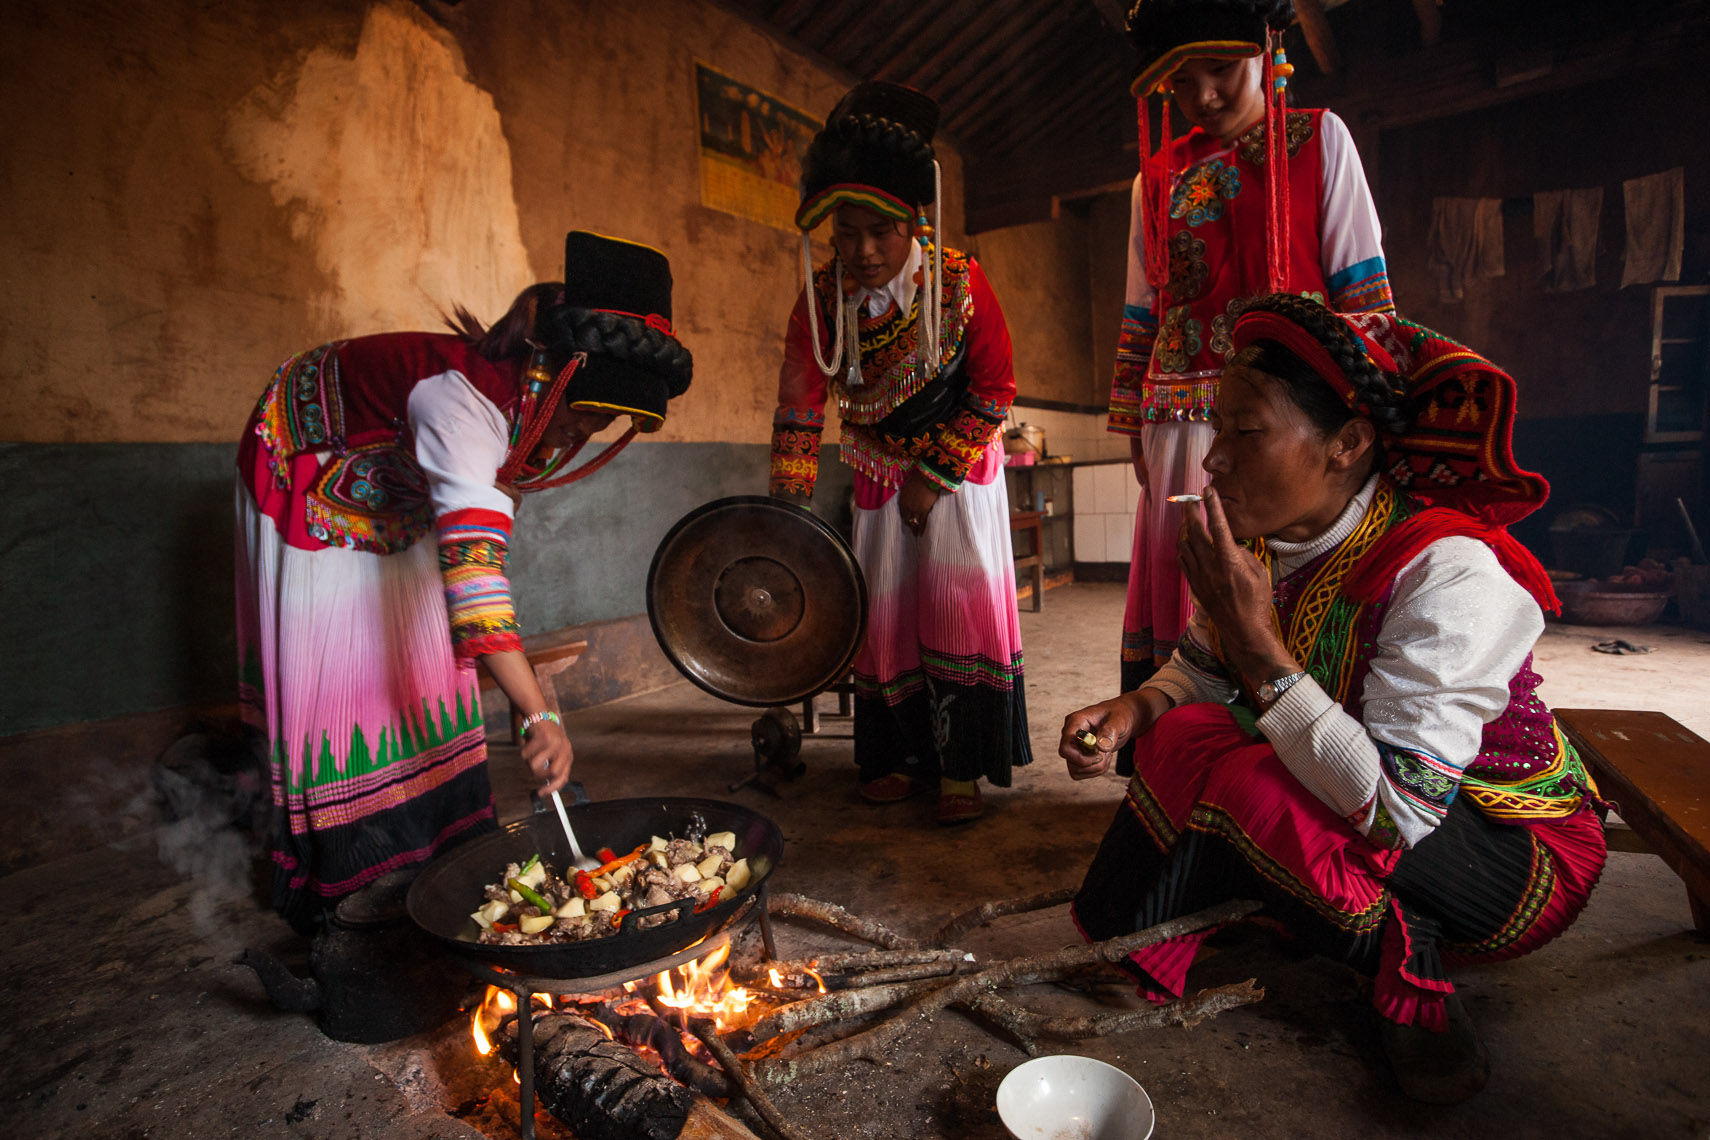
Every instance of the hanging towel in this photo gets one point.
(1465, 242)
(1565, 224)
(1656, 227)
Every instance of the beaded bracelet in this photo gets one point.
(533, 719)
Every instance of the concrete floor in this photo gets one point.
(128, 1018)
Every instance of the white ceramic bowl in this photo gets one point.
(1073, 1098)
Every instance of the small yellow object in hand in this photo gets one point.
(1087, 739)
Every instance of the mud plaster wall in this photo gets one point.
(192, 194)
(1039, 273)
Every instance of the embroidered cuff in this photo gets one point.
(1133, 358)
(1362, 288)
(958, 445)
(473, 546)
(796, 435)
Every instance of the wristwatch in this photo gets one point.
(1271, 690)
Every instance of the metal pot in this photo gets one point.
(1024, 438)
(374, 976)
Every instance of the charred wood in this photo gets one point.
(660, 1035)
(845, 963)
(751, 1089)
(831, 1007)
(602, 1090)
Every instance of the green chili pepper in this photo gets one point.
(529, 866)
(531, 896)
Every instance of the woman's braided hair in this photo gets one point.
(885, 152)
(1380, 396)
(565, 330)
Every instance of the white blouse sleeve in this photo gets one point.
(1456, 630)
(1139, 296)
(461, 440)
(1352, 236)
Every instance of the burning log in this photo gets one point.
(604, 1091)
(657, 1033)
(968, 987)
(751, 1089)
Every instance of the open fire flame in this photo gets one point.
(700, 989)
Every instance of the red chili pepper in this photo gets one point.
(585, 885)
(606, 854)
(505, 927)
(711, 900)
(617, 916)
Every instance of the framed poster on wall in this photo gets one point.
(752, 145)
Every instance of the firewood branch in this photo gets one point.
(1027, 1027)
(707, 1031)
(985, 912)
(967, 987)
(846, 963)
(834, 916)
(835, 1007)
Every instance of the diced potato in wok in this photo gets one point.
(575, 908)
(709, 865)
(688, 873)
(607, 901)
(709, 884)
(534, 924)
(738, 875)
(724, 839)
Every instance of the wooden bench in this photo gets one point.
(1030, 523)
(1657, 772)
(550, 654)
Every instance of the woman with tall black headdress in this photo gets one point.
(908, 338)
(377, 482)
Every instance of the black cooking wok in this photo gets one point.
(451, 887)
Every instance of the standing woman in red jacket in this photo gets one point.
(1213, 227)
(377, 482)
(909, 339)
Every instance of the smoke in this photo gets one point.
(209, 788)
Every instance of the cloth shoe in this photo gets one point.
(892, 789)
(1438, 1068)
(956, 805)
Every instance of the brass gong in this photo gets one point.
(757, 601)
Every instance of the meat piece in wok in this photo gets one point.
(532, 905)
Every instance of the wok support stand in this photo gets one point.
(523, 987)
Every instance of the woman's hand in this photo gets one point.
(511, 492)
(547, 752)
(1115, 722)
(1233, 588)
(916, 500)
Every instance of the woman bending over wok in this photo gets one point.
(1350, 730)
(378, 480)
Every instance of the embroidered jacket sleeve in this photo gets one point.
(990, 367)
(460, 441)
(799, 421)
(1351, 246)
(1139, 330)
(1455, 632)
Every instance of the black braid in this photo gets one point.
(1384, 394)
(566, 330)
(893, 151)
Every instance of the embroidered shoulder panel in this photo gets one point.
(1299, 128)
